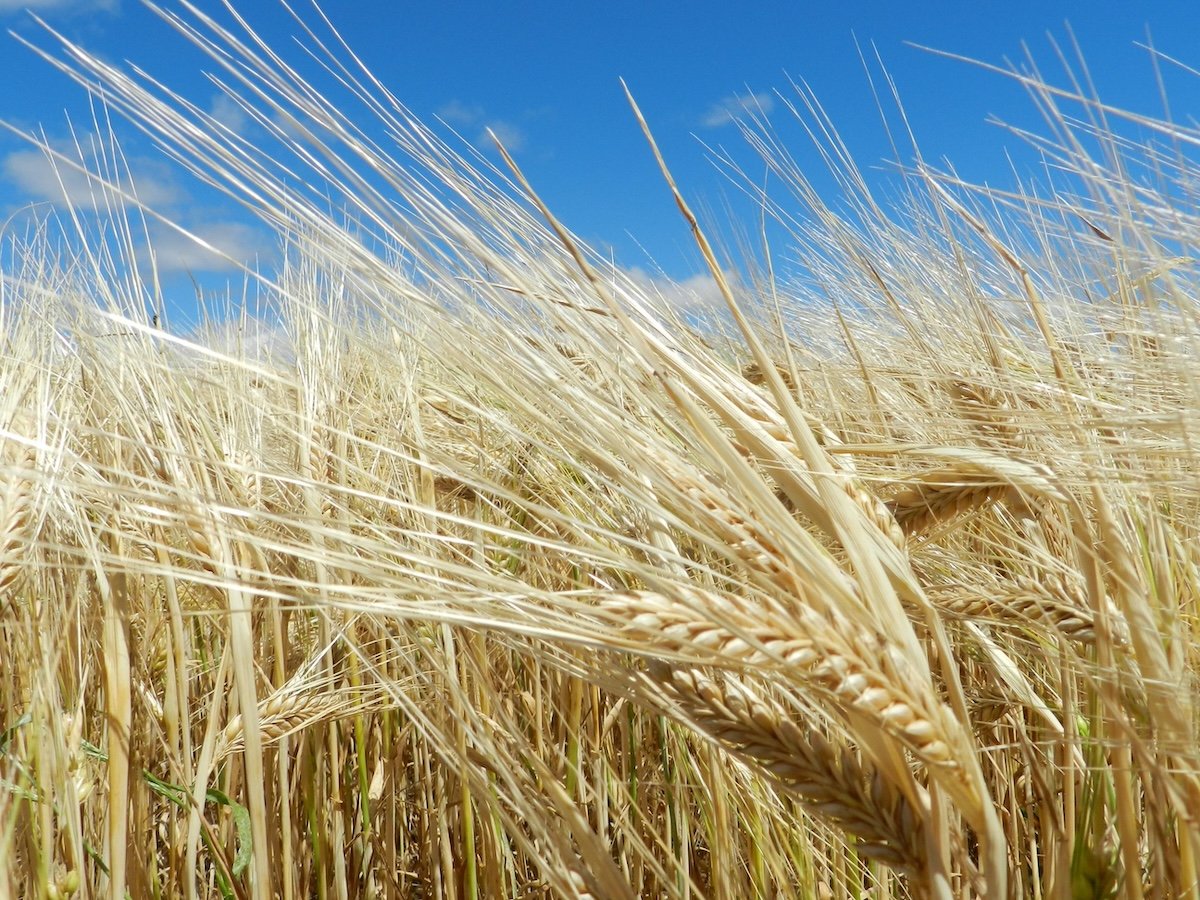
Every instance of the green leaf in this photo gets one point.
(172, 792)
(241, 821)
(92, 750)
(12, 729)
(17, 791)
(96, 857)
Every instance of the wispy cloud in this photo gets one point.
(735, 106)
(697, 293)
(508, 134)
(228, 245)
(226, 111)
(248, 338)
(43, 6)
(458, 113)
(470, 117)
(38, 177)
(224, 243)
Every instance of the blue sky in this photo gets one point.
(545, 77)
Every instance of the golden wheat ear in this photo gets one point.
(832, 785)
(16, 521)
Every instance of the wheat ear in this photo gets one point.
(739, 532)
(939, 497)
(16, 514)
(986, 409)
(974, 480)
(1048, 601)
(279, 715)
(833, 785)
(873, 508)
(860, 671)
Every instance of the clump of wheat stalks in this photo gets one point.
(508, 582)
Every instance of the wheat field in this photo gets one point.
(474, 569)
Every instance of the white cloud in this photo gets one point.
(225, 243)
(462, 115)
(694, 294)
(175, 252)
(13, 6)
(735, 106)
(41, 178)
(458, 113)
(226, 111)
(248, 338)
(512, 137)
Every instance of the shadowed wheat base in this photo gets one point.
(474, 567)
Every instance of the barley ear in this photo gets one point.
(16, 515)
(833, 785)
